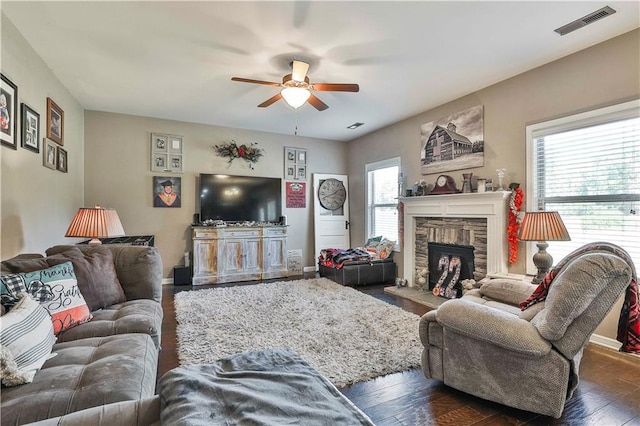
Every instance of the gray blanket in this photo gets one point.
(266, 387)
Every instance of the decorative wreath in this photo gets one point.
(251, 154)
(514, 223)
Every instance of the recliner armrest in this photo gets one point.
(493, 326)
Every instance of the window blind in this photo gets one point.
(589, 171)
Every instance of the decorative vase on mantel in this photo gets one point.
(466, 184)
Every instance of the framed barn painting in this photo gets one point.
(454, 142)
(8, 113)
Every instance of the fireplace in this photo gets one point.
(478, 220)
(449, 265)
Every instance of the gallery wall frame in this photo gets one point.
(30, 128)
(167, 153)
(55, 122)
(49, 154)
(62, 160)
(8, 112)
(295, 163)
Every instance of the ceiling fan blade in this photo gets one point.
(332, 87)
(270, 100)
(317, 103)
(299, 71)
(248, 80)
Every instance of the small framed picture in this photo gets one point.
(167, 191)
(8, 112)
(175, 145)
(302, 157)
(55, 122)
(49, 154)
(62, 160)
(290, 155)
(175, 163)
(30, 129)
(158, 143)
(301, 172)
(290, 171)
(160, 162)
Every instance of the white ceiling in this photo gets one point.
(175, 60)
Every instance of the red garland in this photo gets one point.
(512, 229)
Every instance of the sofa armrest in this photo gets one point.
(492, 326)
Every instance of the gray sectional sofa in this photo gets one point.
(110, 362)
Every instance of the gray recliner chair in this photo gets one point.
(482, 344)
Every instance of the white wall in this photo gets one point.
(118, 175)
(37, 203)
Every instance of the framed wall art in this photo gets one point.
(167, 153)
(30, 129)
(49, 154)
(55, 122)
(166, 191)
(8, 112)
(61, 155)
(454, 142)
(295, 163)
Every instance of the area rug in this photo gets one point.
(346, 335)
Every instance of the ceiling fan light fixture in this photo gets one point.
(295, 96)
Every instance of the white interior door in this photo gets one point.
(331, 226)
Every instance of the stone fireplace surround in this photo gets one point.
(478, 219)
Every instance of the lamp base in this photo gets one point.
(94, 242)
(543, 262)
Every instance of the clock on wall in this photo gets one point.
(444, 185)
(332, 194)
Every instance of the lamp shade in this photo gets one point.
(543, 226)
(295, 96)
(95, 222)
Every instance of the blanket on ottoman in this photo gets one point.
(267, 387)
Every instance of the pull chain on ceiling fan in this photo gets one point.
(297, 89)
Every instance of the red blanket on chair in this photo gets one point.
(629, 322)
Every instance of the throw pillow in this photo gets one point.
(26, 340)
(373, 241)
(55, 288)
(384, 248)
(96, 274)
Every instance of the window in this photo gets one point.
(587, 168)
(382, 198)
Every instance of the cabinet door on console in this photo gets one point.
(275, 257)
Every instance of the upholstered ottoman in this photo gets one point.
(85, 373)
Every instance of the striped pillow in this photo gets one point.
(26, 337)
(55, 288)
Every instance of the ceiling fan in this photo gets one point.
(297, 89)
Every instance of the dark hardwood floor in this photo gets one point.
(608, 393)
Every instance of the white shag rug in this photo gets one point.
(346, 335)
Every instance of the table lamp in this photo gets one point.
(542, 227)
(95, 222)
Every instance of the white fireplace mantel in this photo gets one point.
(492, 206)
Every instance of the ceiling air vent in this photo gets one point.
(585, 20)
(355, 126)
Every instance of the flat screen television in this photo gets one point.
(240, 198)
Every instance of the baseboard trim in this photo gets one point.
(167, 281)
(309, 269)
(607, 342)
